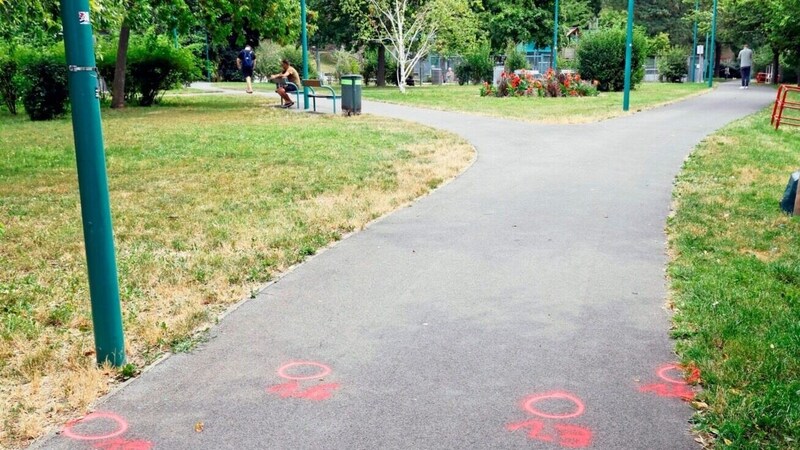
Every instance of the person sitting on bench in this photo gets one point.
(291, 75)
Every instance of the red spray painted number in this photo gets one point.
(564, 435)
(569, 436)
(671, 386)
(681, 391)
(299, 371)
(122, 444)
(292, 389)
(105, 441)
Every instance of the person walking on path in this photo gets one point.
(745, 62)
(246, 62)
(291, 75)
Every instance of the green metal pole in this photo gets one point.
(626, 99)
(555, 38)
(304, 37)
(705, 60)
(694, 41)
(175, 36)
(712, 44)
(93, 182)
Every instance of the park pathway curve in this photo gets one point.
(520, 306)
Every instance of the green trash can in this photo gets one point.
(351, 94)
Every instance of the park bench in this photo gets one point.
(311, 84)
(286, 82)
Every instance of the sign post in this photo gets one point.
(93, 182)
(712, 46)
(304, 38)
(555, 39)
(626, 99)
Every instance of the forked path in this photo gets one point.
(520, 306)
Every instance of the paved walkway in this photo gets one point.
(520, 306)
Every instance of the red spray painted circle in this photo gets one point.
(70, 433)
(531, 400)
(662, 373)
(323, 370)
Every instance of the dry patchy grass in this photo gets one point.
(211, 198)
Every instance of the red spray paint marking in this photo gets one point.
(681, 391)
(673, 387)
(569, 436)
(529, 402)
(122, 444)
(292, 390)
(323, 370)
(69, 431)
(564, 435)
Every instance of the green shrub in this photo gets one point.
(601, 57)
(672, 65)
(154, 65)
(515, 59)
(270, 54)
(476, 67)
(346, 63)
(43, 83)
(9, 79)
(369, 67)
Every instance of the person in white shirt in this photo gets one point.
(745, 63)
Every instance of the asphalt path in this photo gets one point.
(520, 306)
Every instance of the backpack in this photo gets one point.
(247, 61)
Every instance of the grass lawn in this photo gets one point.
(548, 110)
(735, 275)
(551, 110)
(212, 196)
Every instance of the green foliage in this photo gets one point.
(9, 83)
(515, 59)
(43, 82)
(672, 65)
(154, 66)
(477, 65)
(269, 55)
(657, 44)
(612, 18)
(601, 57)
(346, 63)
(517, 21)
(459, 27)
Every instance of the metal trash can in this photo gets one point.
(351, 94)
(436, 75)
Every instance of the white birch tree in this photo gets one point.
(408, 33)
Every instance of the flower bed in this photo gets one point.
(551, 85)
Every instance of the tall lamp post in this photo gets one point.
(555, 38)
(693, 70)
(626, 98)
(93, 182)
(712, 46)
(304, 39)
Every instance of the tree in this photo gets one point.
(408, 30)
(517, 21)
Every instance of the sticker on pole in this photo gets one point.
(83, 18)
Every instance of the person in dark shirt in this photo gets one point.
(291, 75)
(246, 62)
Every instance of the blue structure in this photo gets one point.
(538, 58)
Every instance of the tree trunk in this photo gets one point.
(401, 75)
(381, 75)
(118, 89)
(776, 65)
